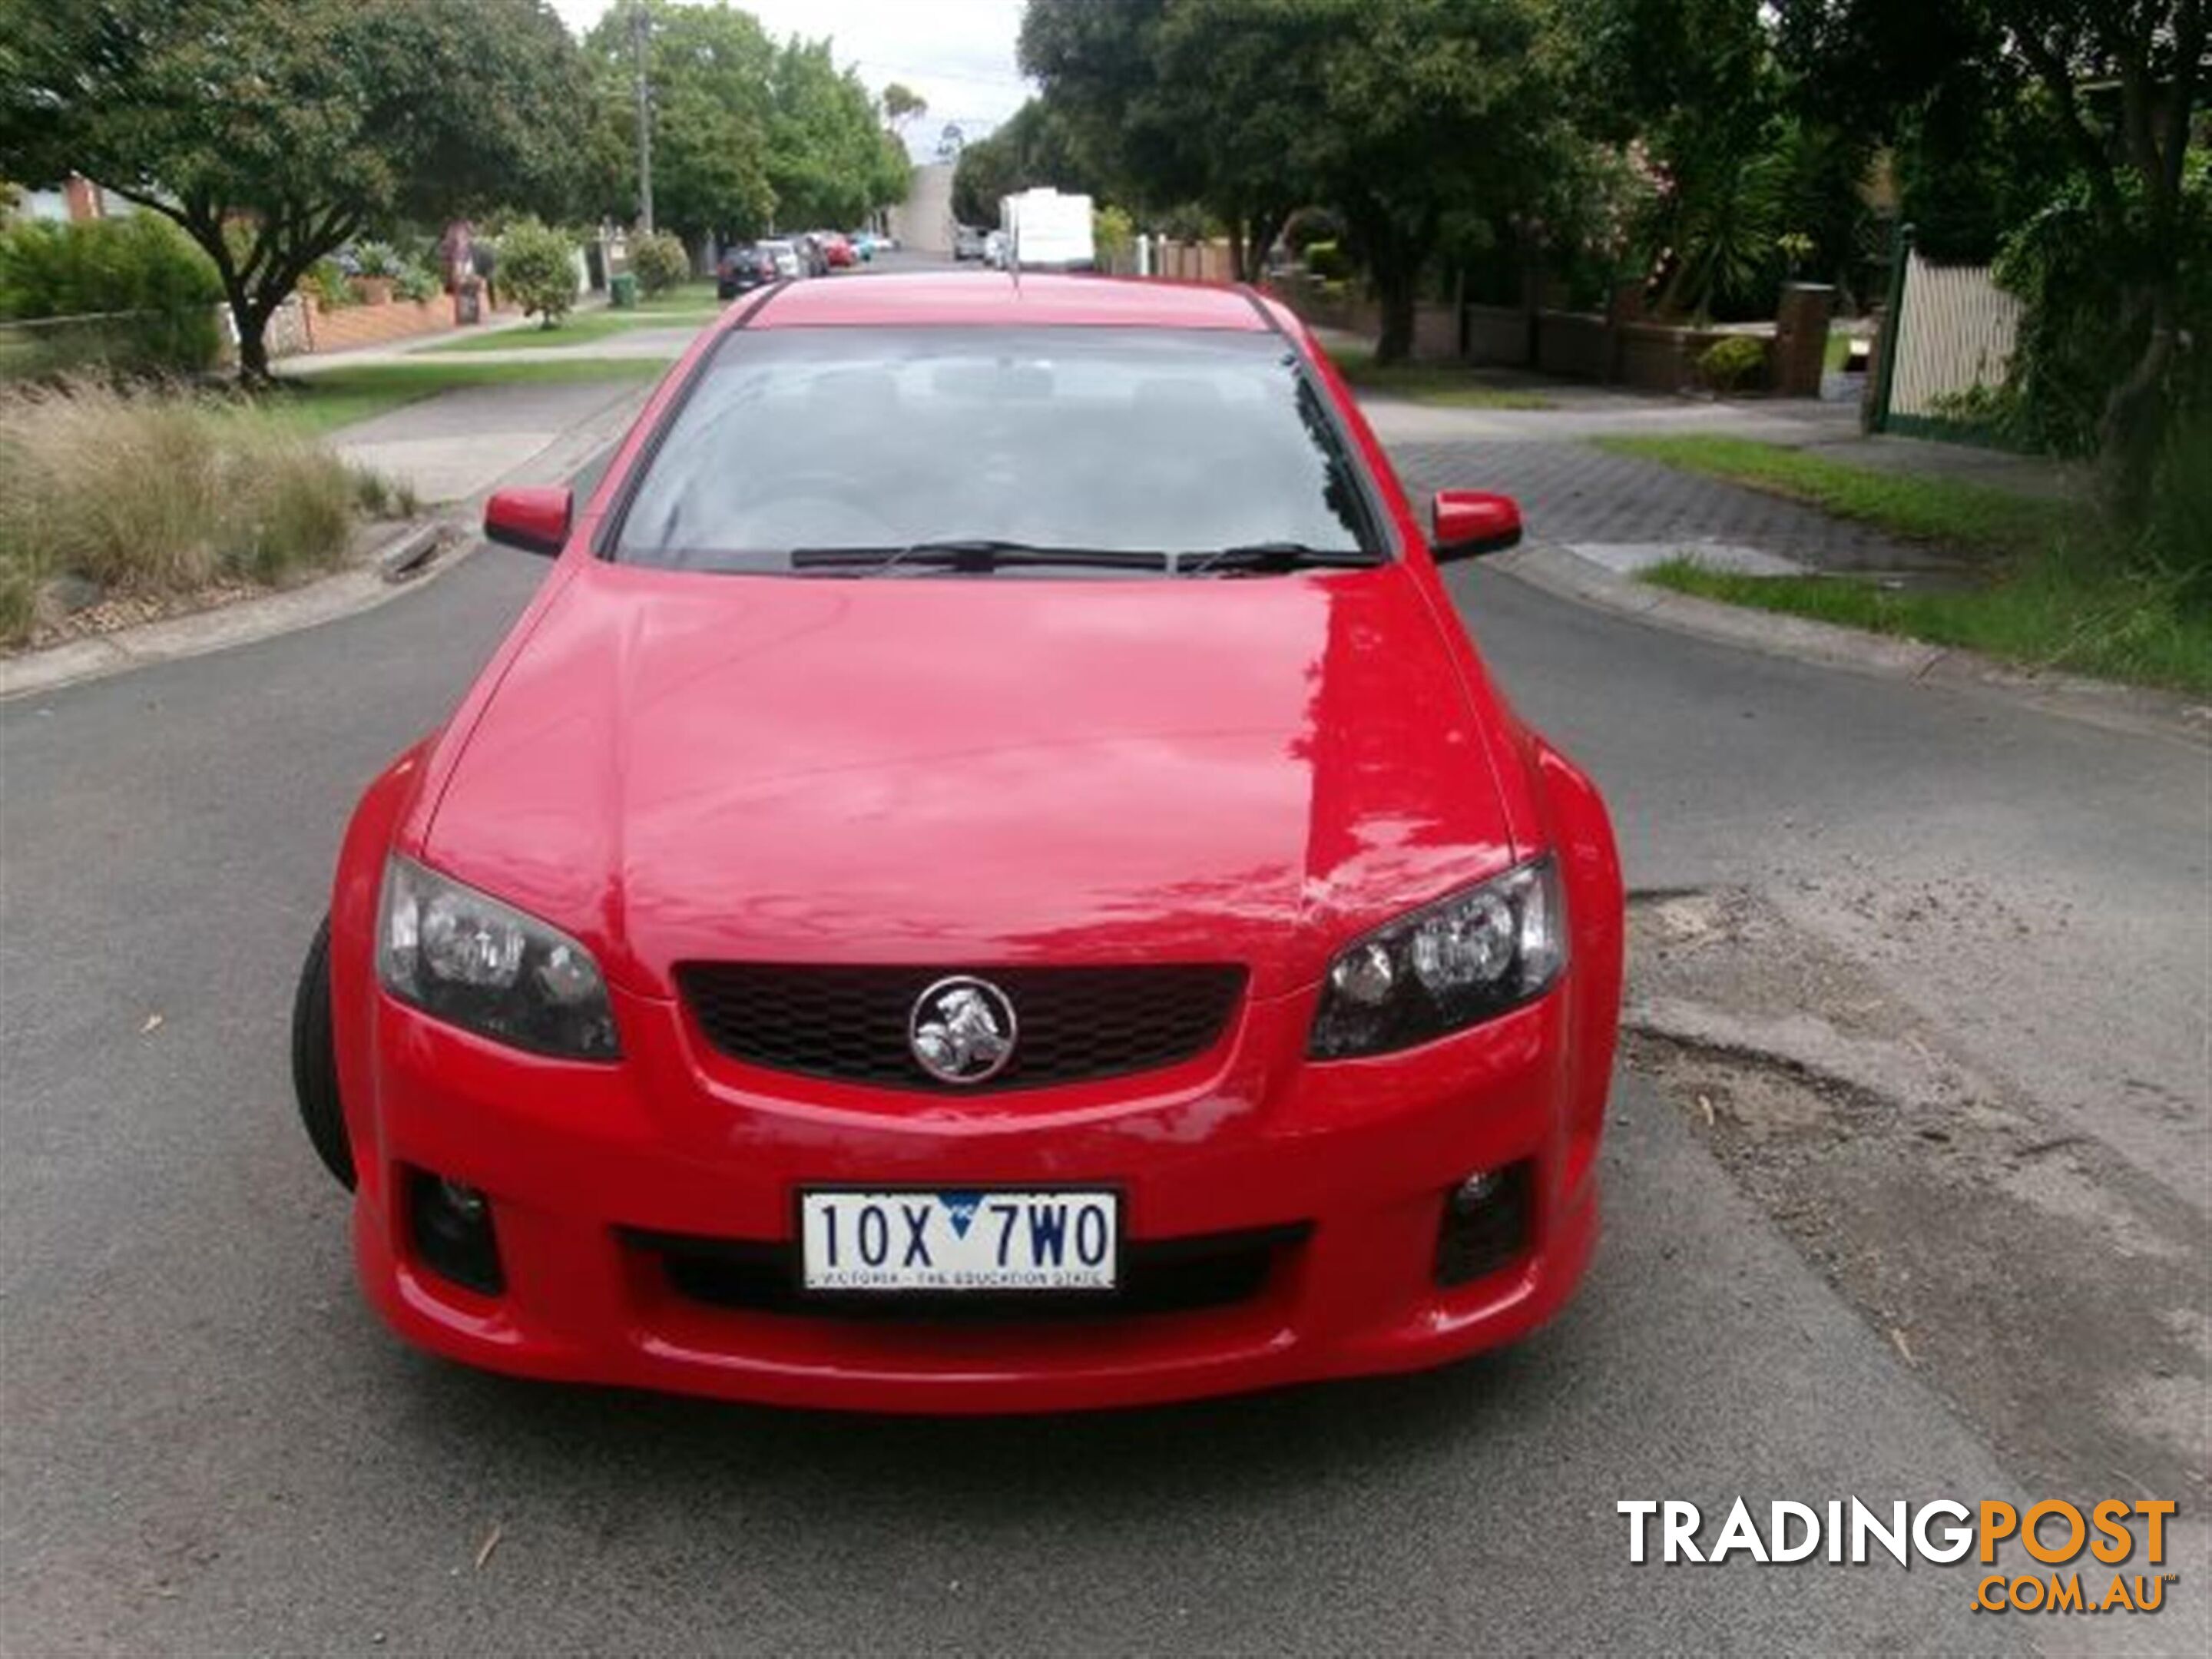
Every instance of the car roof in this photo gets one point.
(985, 299)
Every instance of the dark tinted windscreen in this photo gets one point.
(1147, 441)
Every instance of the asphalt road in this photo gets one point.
(207, 1443)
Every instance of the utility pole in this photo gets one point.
(640, 31)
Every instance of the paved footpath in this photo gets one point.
(461, 443)
(457, 444)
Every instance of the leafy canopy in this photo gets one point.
(746, 133)
(708, 68)
(298, 123)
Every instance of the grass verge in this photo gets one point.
(1440, 385)
(569, 332)
(154, 495)
(1945, 511)
(691, 296)
(2059, 591)
(2054, 609)
(313, 403)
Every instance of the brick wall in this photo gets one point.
(376, 325)
(362, 325)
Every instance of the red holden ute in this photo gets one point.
(989, 878)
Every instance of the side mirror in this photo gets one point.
(535, 519)
(1469, 523)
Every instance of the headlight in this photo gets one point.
(465, 958)
(1465, 958)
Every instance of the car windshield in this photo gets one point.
(1104, 439)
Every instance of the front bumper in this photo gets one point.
(1346, 1168)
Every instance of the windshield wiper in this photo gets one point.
(970, 556)
(1270, 556)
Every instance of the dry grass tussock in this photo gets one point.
(152, 491)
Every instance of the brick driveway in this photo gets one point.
(1571, 492)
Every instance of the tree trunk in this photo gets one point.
(1266, 225)
(2133, 424)
(1237, 246)
(252, 323)
(1394, 287)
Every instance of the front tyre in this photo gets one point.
(315, 1063)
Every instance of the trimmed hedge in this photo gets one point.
(145, 294)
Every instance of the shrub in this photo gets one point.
(2176, 537)
(380, 497)
(659, 261)
(1734, 364)
(1329, 261)
(377, 259)
(327, 281)
(1114, 237)
(1187, 221)
(1309, 225)
(1979, 405)
(139, 263)
(418, 284)
(537, 266)
(153, 493)
(148, 294)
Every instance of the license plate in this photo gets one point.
(957, 1240)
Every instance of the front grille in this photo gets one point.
(850, 1024)
(1157, 1276)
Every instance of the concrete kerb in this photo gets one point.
(2123, 708)
(411, 556)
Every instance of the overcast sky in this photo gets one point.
(958, 54)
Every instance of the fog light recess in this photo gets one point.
(452, 1232)
(1485, 1223)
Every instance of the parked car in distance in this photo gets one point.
(996, 250)
(836, 253)
(967, 242)
(812, 256)
(864, 245)
(743, 270)
(785, 256)
(914, 918)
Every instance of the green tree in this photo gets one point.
(903, 106)
(1428, 111)
(1032, 147)
(537, 266)
(1402, 116)
(830, 160)
(708, 67)
(2117, 88)
(1696, 84)
(1200, 102)
(273, 132)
